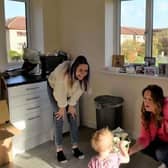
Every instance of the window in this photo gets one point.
(132, 31)
(139, 29)
(15, 28)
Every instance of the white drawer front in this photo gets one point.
(29, 127)
(20, 144)
(33, 123)
(22, 100)
(41, 97)
(25, 111)
(26, 89)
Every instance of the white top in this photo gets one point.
(58, 80)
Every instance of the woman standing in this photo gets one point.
(153, 139)
(68, 81)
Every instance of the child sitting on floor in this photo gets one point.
(102, 142)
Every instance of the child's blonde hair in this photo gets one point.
(102, 140)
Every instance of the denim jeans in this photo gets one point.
(59, 130)
(158, 150)
(73, 124)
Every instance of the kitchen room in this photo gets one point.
(78, 27)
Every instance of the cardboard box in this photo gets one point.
(4, 112)
(7, 131)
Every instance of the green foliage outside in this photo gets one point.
(15, 55)
(134, 51)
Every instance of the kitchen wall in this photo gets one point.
(78, 27)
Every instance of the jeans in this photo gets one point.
(59, 130)
(158, 150)
(73, 124)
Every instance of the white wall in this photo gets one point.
(51, 25)
(45, 25)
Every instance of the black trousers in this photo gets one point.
(158, 150)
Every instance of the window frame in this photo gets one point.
(115, 29)
(3, 53)
(148, 27)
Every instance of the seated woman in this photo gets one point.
(153, 139)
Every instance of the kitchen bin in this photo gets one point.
(109, 111)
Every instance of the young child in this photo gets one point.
(102, 142)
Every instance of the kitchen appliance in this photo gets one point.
(49, 63)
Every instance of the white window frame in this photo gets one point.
(3, 53)
(112, 29)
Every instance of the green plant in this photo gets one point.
(15, 55)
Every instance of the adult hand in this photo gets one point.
(135, 148)
(60, 113)
(72, 111)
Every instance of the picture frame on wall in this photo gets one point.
(150, 61)
(150, 71)
(117, 60)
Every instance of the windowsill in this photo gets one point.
(108, 71)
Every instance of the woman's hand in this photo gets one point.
(72, 111)
(135, 148)
(60, 113)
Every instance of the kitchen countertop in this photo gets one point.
(22, 79)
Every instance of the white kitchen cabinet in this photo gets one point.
(32, 112)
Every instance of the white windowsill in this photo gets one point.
(108, 71)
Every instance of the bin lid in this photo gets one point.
(109, 100)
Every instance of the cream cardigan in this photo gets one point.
(61, 89)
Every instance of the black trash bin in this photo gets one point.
(109, 111)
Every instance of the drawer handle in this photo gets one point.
(33, 88)
(32, 118)
(32, 108)
(32, 98)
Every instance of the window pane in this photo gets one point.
(15, 29)
(132, 37)
(160, 31)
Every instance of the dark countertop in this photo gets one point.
(21, 79)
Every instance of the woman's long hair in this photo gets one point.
(72, 72)
(158, 100)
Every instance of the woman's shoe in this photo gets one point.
(162, 166)
(61, 157)
(77, 153)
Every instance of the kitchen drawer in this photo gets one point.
(22, 100)
(28, 99)
(26, 89)
(25, 111)
(30, 127)
(33, 124)
(20, 144)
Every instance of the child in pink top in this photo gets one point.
(153, 139)
(102, 142)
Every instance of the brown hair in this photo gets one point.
(72, 72)
(100, 136)
(158, 99)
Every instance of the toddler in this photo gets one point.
(102, 142)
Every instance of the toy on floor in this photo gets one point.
(120, 137)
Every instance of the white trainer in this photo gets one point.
(162, 166)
